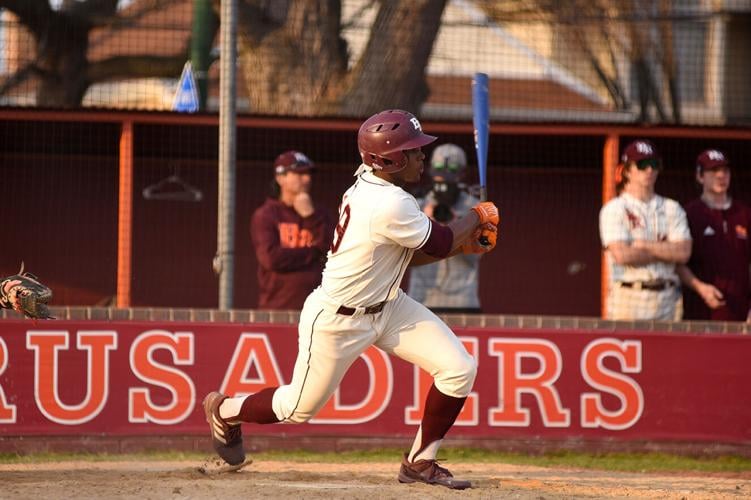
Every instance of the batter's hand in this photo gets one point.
(473, 245)
(487, 212)
(303, 204)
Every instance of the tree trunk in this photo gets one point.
(391, 72)
(289, 65)
(298, 65)
(62, 62)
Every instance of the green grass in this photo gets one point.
(633, 462)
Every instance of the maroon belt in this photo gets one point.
(349, 311)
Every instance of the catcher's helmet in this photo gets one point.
(448, 163)
(384, 136)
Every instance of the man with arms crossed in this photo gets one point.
(645, 235)
(381, 231)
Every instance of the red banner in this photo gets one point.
(136, 378)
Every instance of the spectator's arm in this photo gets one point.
(709, 293)
(321, 227)
(677, 252)
(629, 255)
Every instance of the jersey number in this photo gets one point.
(341, 227)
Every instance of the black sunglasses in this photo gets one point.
(655, 163)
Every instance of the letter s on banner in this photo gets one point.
(141, 408)
(627, 390)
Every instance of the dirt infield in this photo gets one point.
(273, 479)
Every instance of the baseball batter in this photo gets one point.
(645, 235)
(381, 231)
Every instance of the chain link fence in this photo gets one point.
(616, 61)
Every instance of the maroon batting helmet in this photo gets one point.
(385, 136)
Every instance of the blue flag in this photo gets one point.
(186, 97)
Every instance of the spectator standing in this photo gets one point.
(717, 276)
(449, 285)
(645, 235)
(290, 236)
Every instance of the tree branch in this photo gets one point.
(32, 13)
(17, 78)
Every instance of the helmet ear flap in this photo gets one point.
(388, 162)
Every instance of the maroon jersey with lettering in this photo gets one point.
(290, 251)
(720, 255)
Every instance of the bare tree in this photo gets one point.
(293, 56)
(62, 37)
(607, 32)
(296, 62)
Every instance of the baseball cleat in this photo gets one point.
(214, 470)
(227, 438)
(429, 472)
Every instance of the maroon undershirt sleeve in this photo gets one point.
(440, 241)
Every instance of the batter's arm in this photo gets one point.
(461, 229)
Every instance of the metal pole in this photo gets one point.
(609, 163)
(224, 262)
(125, 216)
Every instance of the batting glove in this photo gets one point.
(473, 245)
(487, 212)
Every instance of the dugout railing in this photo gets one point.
(73, 183)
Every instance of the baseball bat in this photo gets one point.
(480, 119)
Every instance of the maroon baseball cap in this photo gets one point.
(710, 159)
(640, 149)
(292, 161)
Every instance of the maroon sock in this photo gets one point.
(440, 413)
(257, 407)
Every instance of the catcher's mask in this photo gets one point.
(448, 164)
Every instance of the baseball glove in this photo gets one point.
(26, 294)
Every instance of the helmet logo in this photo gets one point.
(415, 123)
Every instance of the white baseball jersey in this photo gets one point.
(627, 218)
(380, 227)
